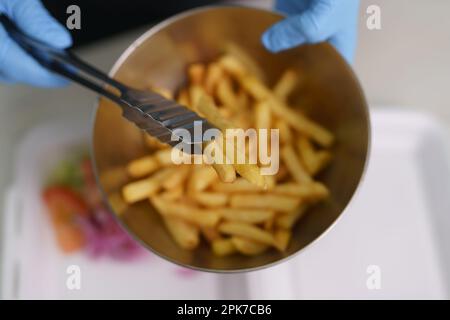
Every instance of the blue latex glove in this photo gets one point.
(16, 66)
(312, 21)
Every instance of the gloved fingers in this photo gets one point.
(32, 17)
(283, 35)
(310, 26)
(4, 79)
(288, 6)
(17, 66)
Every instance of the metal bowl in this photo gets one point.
(331, 95)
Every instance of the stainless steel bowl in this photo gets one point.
(331, 95)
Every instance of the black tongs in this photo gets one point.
(149, 110)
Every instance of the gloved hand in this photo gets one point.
(16, 66)
(312, 21)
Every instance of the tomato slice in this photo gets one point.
(65, 205)
(65, 202)
(70, 238)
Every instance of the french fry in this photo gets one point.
(265, 201)
(225, 171)
(201, 178)
(211, 199)
(262, 115)
(248, 171)
(246, 215)
(323, 158)
(240, 185)
(196, 93)
(166, 93)
(250, 64)
(143, 166)
(248, 247)
(185, 235)
(313, 160)
(117, 203)
(288, 220)
(164, 157)
(252, 173)
(153, 143)
(270, 182)
(248, 231)
(285, 131)
(233, 66)
(256, 89)
(210, 233)
(307, 153)
(286, 84)
(183, 98)
(249, 82)
(177, 178)
(196, 73)
(223, 247)
(214, 75)
(305, 191)
(226, 113)
(294, 165)
(194, 215)
(282, 238)
(142, 189)
(210, 111)
(301, 123)
(226, 95)
(173, 194)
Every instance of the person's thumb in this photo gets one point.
(307, 27)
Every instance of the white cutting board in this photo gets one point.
(34, 268)
(397, 222)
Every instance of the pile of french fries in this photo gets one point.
(233, 207)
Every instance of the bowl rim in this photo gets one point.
(119, 62)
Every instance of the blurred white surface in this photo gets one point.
(33, 267)
(407, 63)
(397, 224)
